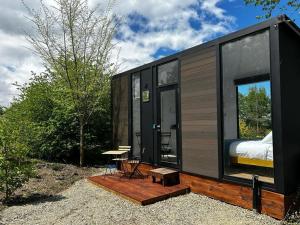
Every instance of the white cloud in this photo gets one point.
(16, 64)
(167, 24)
(161, 24)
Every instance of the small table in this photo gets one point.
(114, 152)
(117, 153)
(121, 164)
(165, 175)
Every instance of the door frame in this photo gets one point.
(159, 90)
(155, 96)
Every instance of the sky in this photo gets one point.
(151, 29)
(244, 89)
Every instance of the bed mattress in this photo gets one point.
(251, 150)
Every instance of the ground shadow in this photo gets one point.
(35, 198)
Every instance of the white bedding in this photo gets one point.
(252, 150)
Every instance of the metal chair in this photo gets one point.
(110, 168)
(134, 164)
(165, 143)
(125, 148)
(138, 138)
(119, 161)
(122, 159)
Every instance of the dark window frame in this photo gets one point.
(130, 112)
(154, 67)
(272, 43)
(157, 85)
(177, 87)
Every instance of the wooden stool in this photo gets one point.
(165, 175)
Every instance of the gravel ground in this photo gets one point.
(50, 179)
(85, 203)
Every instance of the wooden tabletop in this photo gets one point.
(114, 152)
(163, 171)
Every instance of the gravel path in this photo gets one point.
(85, 203)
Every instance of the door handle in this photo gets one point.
(158, 127)
(155, 126)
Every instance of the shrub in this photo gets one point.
(15, 167)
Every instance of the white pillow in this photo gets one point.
(268, 139)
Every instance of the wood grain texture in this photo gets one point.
(120, 110)
(273, 204)
(199, 113)
(140, 191)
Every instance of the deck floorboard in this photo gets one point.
(141, 191)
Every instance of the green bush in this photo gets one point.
(15, 167)
(52, 126)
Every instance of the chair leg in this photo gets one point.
(107, 170)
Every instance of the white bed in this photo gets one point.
(258, 153)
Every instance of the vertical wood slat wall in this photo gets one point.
(199, 113)
(120, 110)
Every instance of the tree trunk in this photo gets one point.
(6, 175)
(6, 185)
(81, 142)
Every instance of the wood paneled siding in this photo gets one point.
(120, 110)
(199, 113)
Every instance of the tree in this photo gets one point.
(51, 123)
(75, 44)
(269, 6)
(51, 119)
(2, 109)
(255, 113)
(15, 167)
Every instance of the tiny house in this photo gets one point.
(224, 113)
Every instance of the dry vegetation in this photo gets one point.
(50, 179)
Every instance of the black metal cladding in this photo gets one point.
(284, 169)
(147, 117)
(289, 49)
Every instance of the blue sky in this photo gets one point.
(245, 15)
(244, 89)
(150, 29)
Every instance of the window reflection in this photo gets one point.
(168, 73)
(136, 115)
(168, 134)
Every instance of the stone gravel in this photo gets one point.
(85, 203)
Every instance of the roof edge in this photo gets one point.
(228, 37)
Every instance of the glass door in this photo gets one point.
(167, 128)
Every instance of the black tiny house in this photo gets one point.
(224, 110)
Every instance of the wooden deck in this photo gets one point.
(271, 203)
(140, 191)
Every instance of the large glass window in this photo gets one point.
(168, 134)
(248, 56)
(247, 124)
(168, 73)
(136, 115)
(167, 81)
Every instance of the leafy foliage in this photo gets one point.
(75, 44)
(51, 120)
(254, 113)
(269, 6)
(15, 167)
